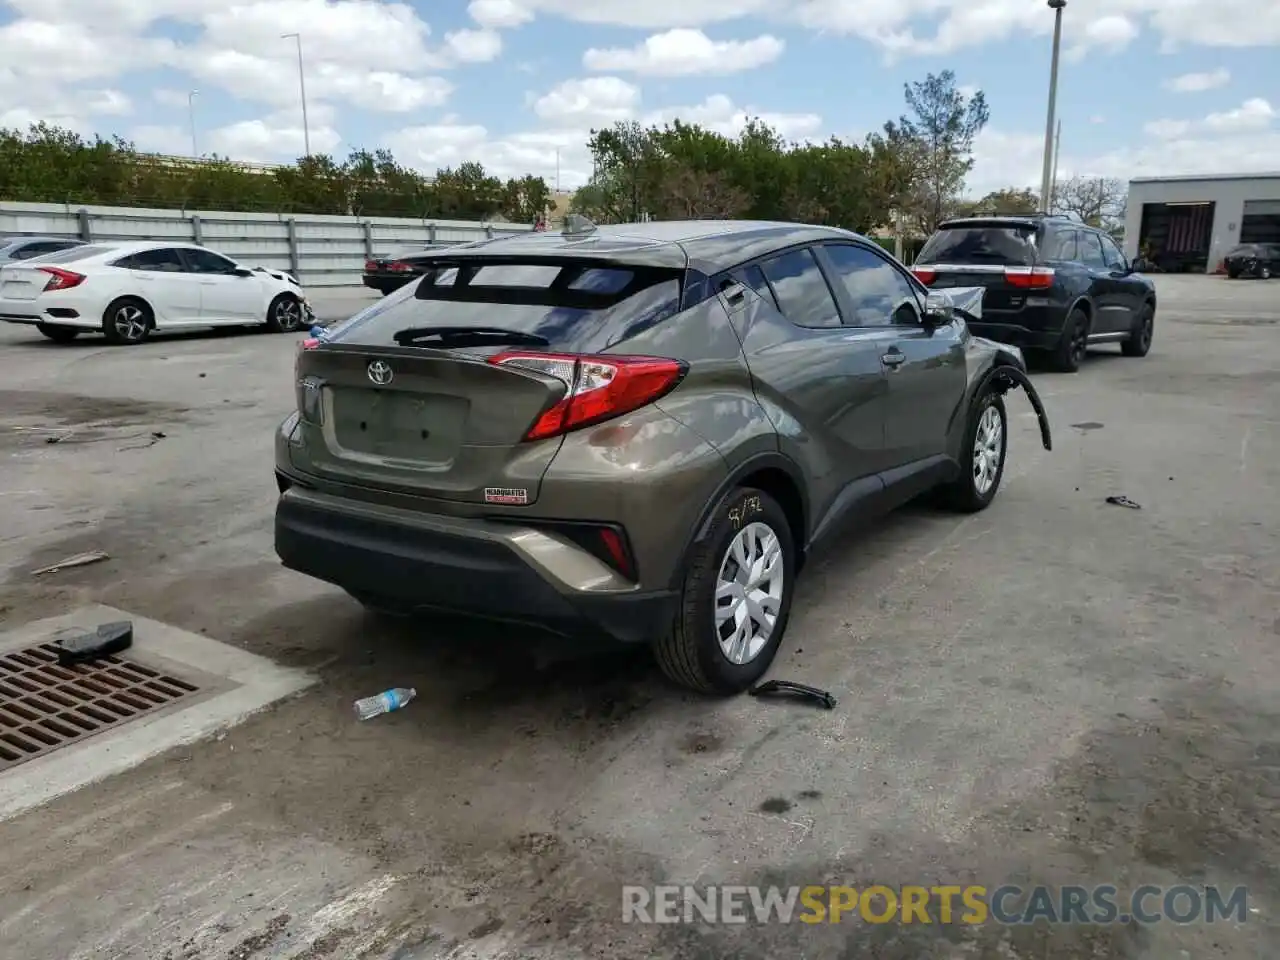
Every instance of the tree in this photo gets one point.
(1098, 201)
(938, 142)
(1009, 200)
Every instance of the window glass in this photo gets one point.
(1111, 253)
(206, 261)
(165, 259)
(1061, 245)
(802, 291)
(1091, 251)
(880, 294)
(1014, 245)
(752, 277)
(79, 252)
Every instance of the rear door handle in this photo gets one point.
(893, 359)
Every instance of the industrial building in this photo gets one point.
(1188, 224)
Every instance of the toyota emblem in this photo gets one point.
(380, 373)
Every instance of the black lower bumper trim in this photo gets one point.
(1019, 336)
(408, 569)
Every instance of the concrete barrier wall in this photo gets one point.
(323, 251)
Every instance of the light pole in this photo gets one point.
(302, 86)
(1046, 185)
(191, 113)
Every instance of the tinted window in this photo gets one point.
(206, 261)
(39, 248)
(1014, 244)
(752, 277)
(1111, 253)
(1091, 250)
(587, 308)
(72, 254)
(165, 259)
(1061, 245)
(801, 289)
(880, 294)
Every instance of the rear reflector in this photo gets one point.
(1029, 278)
(60, 279)
(925, 276)
(600, 386)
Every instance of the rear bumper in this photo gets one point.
(386, 283)
(1027, 338)
(415, 568)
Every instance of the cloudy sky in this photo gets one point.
(1147, 87)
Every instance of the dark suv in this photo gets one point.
(1054, 285)
(635, 432)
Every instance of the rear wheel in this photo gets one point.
(1139, 342)
(56, 333)
(127, 321)
(1074, 344)
(285, 314)
(736, 598)
(985, 445)
(1264, 272)
(1233, 273)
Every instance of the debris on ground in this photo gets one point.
(79, 560)
(790, 688)
(59, 437)
(1124, 502)
(155, 437)
(106, 640)
(369, 707)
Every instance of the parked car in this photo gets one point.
(634, 432)
(1261, 260)
(1054, 285)
(389, 273)
(24, 248)
(125, 291)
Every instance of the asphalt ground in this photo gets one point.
(1057, 691)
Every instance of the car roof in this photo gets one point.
(124, 249)
(706, 245)
(1015, 220)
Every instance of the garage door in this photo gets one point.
(1261, 222)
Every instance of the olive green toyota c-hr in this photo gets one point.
(635, 433)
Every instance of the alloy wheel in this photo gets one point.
(749, 591)
(988, 450)
(1079, 341)
(288, 314)
(129, 322)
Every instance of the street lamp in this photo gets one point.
(302, 86)
(191, 113)
(1046, 184)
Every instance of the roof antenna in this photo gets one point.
(576, 225)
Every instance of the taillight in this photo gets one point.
(60, 279)
(397, 267)
(371, 266)
(600, 387)
(1029, 278)
(925, 276)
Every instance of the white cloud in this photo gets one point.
(684, 52)
(593, 102)
(719, 113)
(1167, 129)
(1254, 114)
(474, 46)
(498, 14)
(1110, 34)
(1199, 82)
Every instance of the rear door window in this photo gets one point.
(1011, 244)
(575, 306)
(801, 289)
(1091, 251)
(1061, 245)
(165, 260)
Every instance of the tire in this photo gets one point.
(285, 314)
(1139, 342)
(976, 486)
(1264, 273)
(57, 333)
(692, 654)
(1074, 343)
(127, 321)
(1233, 273)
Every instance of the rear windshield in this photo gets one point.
(575, 306)
(72, 254)
(1247, 250)
(1012, 244)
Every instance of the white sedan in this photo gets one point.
(127, 290)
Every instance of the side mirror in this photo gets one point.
(1139, 265)
(242, 272)
(938, 310)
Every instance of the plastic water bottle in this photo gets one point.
(370, 707)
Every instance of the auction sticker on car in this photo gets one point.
(505, 495)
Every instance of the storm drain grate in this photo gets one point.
(44, 706)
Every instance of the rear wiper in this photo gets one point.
(469, 336)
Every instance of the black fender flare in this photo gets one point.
(769, 460)
(1006, 375)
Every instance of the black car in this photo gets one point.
(1054, 286)
(1260, 260)
(391, 272)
